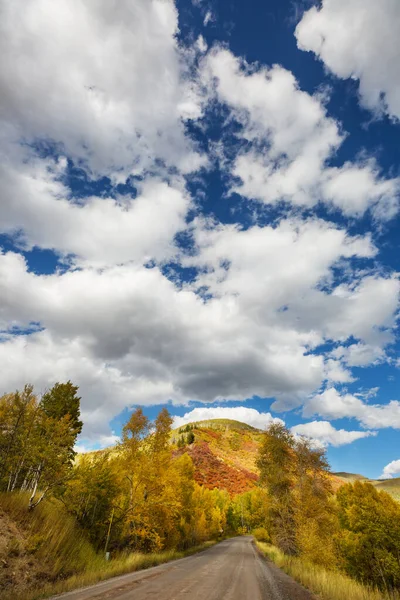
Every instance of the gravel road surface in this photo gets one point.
(231, 570)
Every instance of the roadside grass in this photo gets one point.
(327, 585)
(101, 570)
(69, 561)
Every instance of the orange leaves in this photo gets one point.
(212, 472)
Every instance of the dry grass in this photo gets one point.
(390, 486)
(69, 561)
(52, 536)
(328, 585)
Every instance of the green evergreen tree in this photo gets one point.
(62, 400)
(181, 442)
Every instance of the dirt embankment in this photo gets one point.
(19, 569)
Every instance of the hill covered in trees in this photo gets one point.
(224, 453)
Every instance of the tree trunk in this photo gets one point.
(32, 504)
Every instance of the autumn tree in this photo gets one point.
(56, 428)
(37, 439)
(91, 494)
(184, 493)
(161, 501)
(315, 516)
(369, 540)
(18, 412)
(301, 514)
(135, 464)
(250, 510)
(276, 463)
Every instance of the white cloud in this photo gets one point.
(324, 433)
(273, 262)
(128, 335)
(147, 338)
(355, 187)
(251, 416)
(359, 355)
(100, 442)
(391, 470)
(358, 39)
(105, 82)
(291, 141)
(201, 44)
(274, 275)
(337, 373)
(209, 18)
(100, 231)
(333, 405)
(112, 89)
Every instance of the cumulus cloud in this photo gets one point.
(331, 404)
(337, 373)
(105, 82)
(391, 470)
(126, 334)
(251, 416)
(36, 204)
(291, 141)
(324, 433)
(358, 39)
(100, 442)
(359, 355)
(280, 288)
(131, 333)
(110, 90)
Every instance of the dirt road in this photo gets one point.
(231, 570)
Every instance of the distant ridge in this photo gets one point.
(350, 476)
(391, 486)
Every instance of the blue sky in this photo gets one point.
(200, 209)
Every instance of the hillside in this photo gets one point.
(224, 453)
(349, 477)
(391, 486)
(38, 547)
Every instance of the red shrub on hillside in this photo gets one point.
(213, 472)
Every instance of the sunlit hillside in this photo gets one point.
(349, 477)
(224, 453)
(391, 486)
